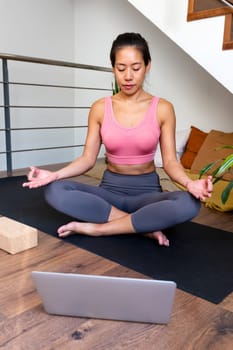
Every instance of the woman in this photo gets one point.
(129, 199)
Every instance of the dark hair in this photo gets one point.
(130, 39)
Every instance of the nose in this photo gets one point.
(128, 74)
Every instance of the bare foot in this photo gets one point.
(77, 227)
(160, 237)
(91, 229)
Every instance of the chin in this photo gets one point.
(129, 91)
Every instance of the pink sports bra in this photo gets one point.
(134, 145)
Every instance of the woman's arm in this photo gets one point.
(166, 116)
(92, 144)
(39, 177)
(167, 120)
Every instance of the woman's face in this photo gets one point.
(130, 69)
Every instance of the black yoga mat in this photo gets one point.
(199, 259)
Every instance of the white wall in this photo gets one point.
(38, 28)
(198, 98)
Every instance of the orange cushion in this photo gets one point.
(195, 140)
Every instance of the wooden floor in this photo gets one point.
(195, 323)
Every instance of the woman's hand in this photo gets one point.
(39, 177)
(201, 189)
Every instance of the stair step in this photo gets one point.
(200, 9)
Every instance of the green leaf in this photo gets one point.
(115, 88)
(206, 169)
(226, 165)
(216, 179)
(226, 192)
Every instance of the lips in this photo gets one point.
(128, 86)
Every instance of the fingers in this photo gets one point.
(203, 188)
(32, 173)
(209, 184)
(34, 184)
(30, 184)
(209, 187)
(207, 191)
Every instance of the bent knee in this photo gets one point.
(190, 205)
(52, 192)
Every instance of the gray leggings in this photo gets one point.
(141, 195)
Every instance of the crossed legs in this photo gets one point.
(97, 211)
(119, 222)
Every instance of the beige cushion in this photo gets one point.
(208, 152)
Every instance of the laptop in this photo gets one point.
(105, 297)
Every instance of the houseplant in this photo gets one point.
(115, 88)
(223, 166)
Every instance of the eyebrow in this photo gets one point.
(133, 64)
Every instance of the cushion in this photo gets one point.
(208, 152)
(181, 141)
(195, 140)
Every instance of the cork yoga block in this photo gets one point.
(15, 236)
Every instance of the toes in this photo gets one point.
(162, 239)
(159, 237)
(64, 233)
(64, 230)
(166, 243)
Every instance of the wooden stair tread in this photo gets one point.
(201, 9)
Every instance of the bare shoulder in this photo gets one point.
(97, 110)
(98, 104)
(165, 110)
(165, 105)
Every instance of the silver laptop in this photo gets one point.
(115, 298)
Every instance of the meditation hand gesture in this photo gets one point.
(201, 189)
(39, 177)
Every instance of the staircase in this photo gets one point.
(200, 9)
(207, 40)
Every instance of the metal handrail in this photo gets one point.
(7, 106)
(54, 86)
(52, 62)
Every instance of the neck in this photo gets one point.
(137, 97)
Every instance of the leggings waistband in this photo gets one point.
(130, 184)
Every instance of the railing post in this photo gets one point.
(6, 96)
